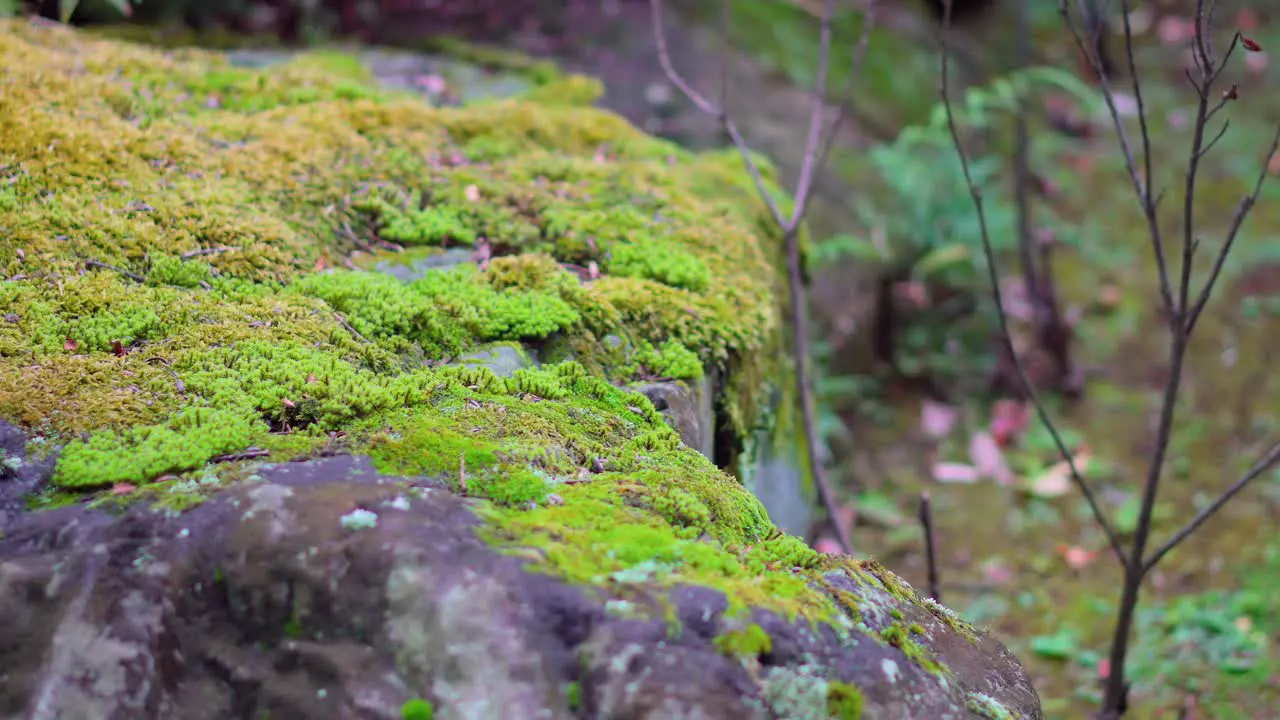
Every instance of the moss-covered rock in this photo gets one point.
(194, 292)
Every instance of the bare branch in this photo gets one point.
(1237, 221)
(715, 111)
(993, 272)
(817, 104)
(1140, 186)
(815, 155)
(103, 266)
(930, 545)
(1268, 461)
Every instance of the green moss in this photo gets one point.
(748, 642)
(899, 637)
(417, 709)
(573, 695)
(234, 193)
(844, 701)
(190, 439)
(988, 707)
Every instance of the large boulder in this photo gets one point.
(319, 401)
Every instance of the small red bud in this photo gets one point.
(1250, 45)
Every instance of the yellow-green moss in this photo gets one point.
(169, 298)
(844, 701)
(748, 642)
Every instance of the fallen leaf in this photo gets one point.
(70, 345)
(320, 264)
(473, 193)
(288, 403)
(937, 419)
(122, 489)
(1056, 481)
(986, 454)
(1109, 297)
(1076, 556)
(950, 472)
(117, 347)
(311, 379)
(1008, 419)
(828, 546)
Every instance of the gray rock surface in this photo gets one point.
(323, 590)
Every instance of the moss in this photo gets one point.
(844, 701)
(417, 709)
(748, 642)
(901, 589)
(988, 707)
(189, 440)
(573, 695)
(241, 198)
(899, 637)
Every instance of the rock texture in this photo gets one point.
(320, 400)
(323, 589)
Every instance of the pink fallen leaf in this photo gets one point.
(1008, 419)
(473, 193)
(937, 419)
(1075, 556)
(951, 472)
(1056, 481)
(828, 546)
(986, 454)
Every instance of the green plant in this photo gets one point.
(922, 232)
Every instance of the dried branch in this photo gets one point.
(103, 266)
(1237, 221)
(1140, 182)
(997, 296)
(814, 158)
(930, 546)
(1183, 315)
(1268, 461)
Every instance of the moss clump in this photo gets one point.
(748, 642)
(988, 707)
(189, 440)
(417, 709)
(241, 199)
(844, 701)
(900, 637)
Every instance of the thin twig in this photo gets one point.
(249, 454)
(997, 296)
(1268, 461)
(930, 546)
(1237, 221)
(103, 266)
(790, 226)
(346, 325)
(207, 251)
(1141, 186)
